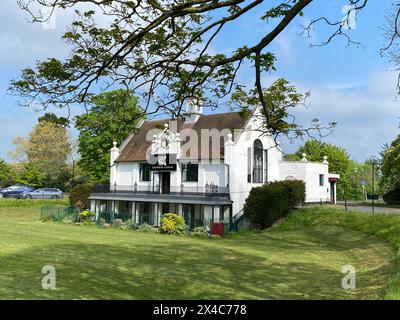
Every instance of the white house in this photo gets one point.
(201, 167)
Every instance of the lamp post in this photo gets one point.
(374, 162)
(73, 170)
(355, 182)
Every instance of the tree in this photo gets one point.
(279, 99)
(161, 50)
(339, 162)
(52, 118)
(44, 153)
(6, 176)
(366, 172)
(390, 165)
(339, 159)
(81, 193)
(392, 33)
(113, 116)
(31, 175)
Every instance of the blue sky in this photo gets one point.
(349, 85)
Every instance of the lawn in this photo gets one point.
(11, 202)
(298, 259)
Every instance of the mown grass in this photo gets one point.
(298, 259)
(13, 203)
(385, 227)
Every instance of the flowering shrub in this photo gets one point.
(172, 223)
(86, 216)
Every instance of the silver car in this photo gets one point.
(43, 193)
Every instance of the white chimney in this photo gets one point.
(114, 154)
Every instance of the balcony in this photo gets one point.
(208, 190)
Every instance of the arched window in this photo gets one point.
(258, 161)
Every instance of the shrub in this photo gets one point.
(129, 224)
(86, 216)
(296, 192)
(63, 219)
(81, 193)
(392, 196)
(172, 223)
(272, 201)
(201, 232)
(118, 223)
(144, 228)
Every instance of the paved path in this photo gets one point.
(353, 206)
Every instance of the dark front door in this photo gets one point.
(165, 182)
(333, 192)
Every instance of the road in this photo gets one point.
(354, 206)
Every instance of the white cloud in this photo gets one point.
(367, 114)
(286, 51)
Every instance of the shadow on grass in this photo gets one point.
(177, 271)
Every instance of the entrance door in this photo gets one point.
(165, 182)
(333, 192)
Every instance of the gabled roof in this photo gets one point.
(137, 147)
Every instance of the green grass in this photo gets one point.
(385, 227)
(11, 202)
(299, 259)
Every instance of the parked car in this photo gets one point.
(43, 193)
(14, 191)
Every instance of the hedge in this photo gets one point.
(392, 196)
(273, 201)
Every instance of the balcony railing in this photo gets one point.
(208, 190)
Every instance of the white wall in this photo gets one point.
(127, 173)
(308, 172)
(314, 191)
(236, 158)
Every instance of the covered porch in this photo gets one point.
(197, 211)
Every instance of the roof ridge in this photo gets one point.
(201, 115)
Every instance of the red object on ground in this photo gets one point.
(217, 228)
